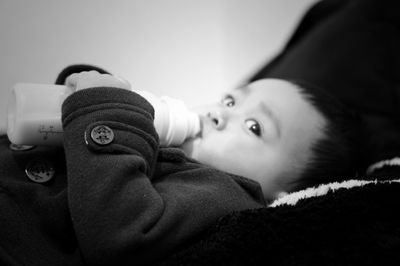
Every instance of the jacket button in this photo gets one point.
(40, 170)
(102, 135)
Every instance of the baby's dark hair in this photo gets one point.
(336, 156)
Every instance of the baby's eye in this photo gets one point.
(254, 127)
(228, 101)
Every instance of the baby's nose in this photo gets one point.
(218, 120)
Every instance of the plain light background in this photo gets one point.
(193, 50)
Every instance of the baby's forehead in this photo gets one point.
(285, 98)
(268, 84)
(270, 89)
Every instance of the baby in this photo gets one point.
(131, 200)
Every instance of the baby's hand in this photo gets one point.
(90, 79)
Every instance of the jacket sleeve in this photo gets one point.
(112, 201)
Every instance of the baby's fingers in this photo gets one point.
(91, 79)
(83, 80)
(72, 80)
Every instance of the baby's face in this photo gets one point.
(263, 131)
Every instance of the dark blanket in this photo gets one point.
(347, 226)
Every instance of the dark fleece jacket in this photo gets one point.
(128, 202)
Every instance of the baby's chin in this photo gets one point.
(190, 147)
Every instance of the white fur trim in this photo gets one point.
(293, 198)
(392, 162)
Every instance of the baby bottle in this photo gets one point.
(34, 116)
